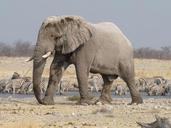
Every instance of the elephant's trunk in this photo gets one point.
(41, 53)
(38, 67)
(37, 75)
(43, 50)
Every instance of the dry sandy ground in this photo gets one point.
(26, 113)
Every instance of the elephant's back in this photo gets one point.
(111, 30)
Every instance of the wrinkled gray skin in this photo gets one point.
(96, 48)
(159, 123)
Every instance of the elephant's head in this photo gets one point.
(63, 34)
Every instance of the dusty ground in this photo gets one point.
(26, 113)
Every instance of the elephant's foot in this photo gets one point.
(48, 100)
(104, 99)
(87, 101)
(136, 100)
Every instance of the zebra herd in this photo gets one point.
(152, 86)
(18, 84)
(157, 86)
(24, 85)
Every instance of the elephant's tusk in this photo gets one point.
(30, 59)
(47, 55)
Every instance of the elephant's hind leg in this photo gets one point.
(106, 91)
(82, 77)
(127, 74)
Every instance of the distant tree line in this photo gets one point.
(149, 53)
(25, 48)
(17, 49)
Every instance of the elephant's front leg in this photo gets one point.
(56, 71)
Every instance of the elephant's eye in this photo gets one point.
(58, 37)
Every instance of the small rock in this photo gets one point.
(99, 103)
(73, 114)
(70, 123)
(109, 107)
(156, 107)
(88, 124)
(76, 127)
(14, 112)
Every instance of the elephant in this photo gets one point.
(159, 123)
(43, 84)
(91, 48)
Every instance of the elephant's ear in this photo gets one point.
(77, 32)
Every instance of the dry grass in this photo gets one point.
(150, 68)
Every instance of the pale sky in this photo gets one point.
(146, 23)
